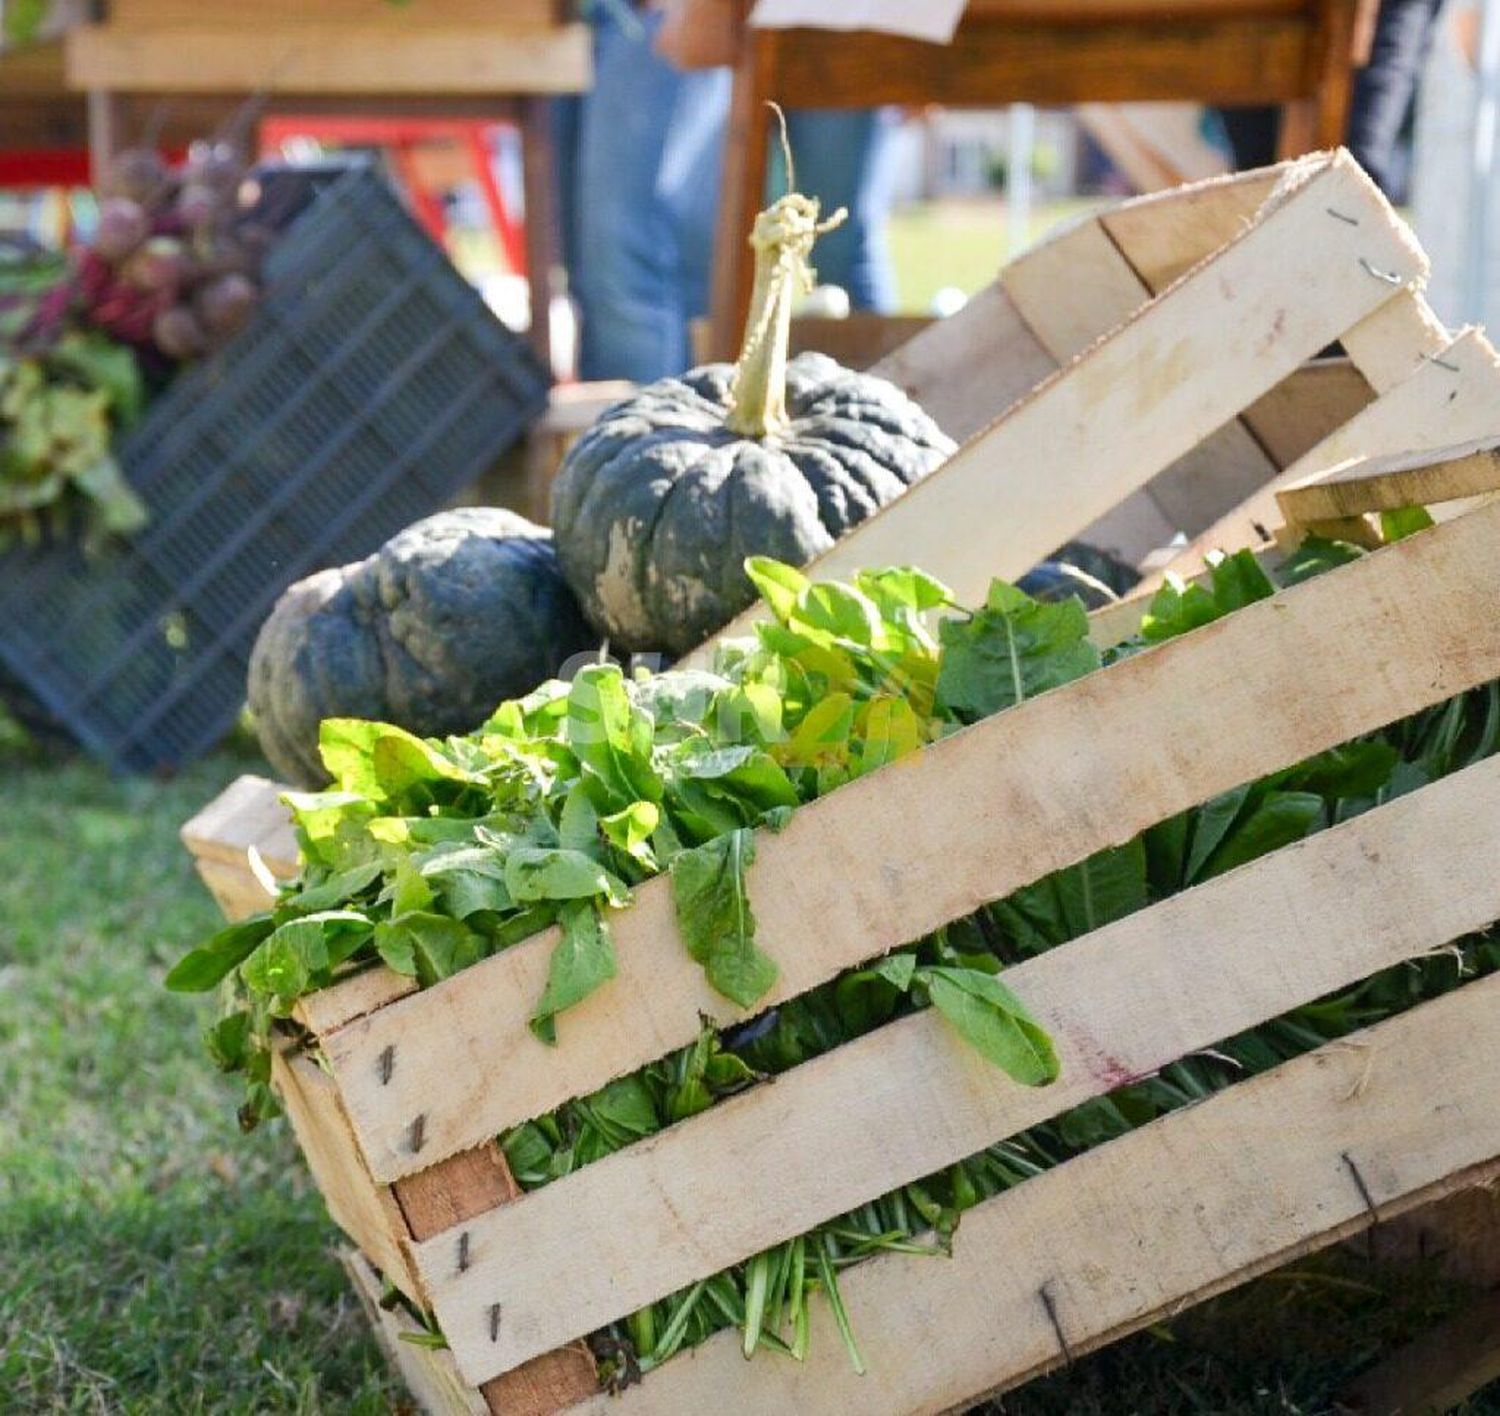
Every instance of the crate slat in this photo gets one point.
(1137, 1229)
(982, 813)
(1136, 401)
(1369, 484)
(911, 1098)
(1451, 398)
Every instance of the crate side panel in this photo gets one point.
(983, 812)
(1138, 1229)
(911, 1098)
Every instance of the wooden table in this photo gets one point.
(495, 59)
(1297, 53)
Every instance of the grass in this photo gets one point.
(156, 1260)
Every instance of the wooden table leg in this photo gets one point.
(1320, 121)
(106, 130)
(539, 179)
(743, 192)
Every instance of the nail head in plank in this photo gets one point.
(984, 811)
(910, 1098)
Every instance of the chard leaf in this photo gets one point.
(214, 960)
(886, 729)
(610, 736)
(337, 889)
(428, 947)
(552, 873)
(469, 880)
(778, 584)
(987, 1015)
(715, 919)
(629, 831)
(1012, 650)
(582, 959)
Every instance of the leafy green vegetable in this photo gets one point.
(713, 914)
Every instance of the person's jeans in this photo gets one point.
(644, 193)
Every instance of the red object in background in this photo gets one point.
(22, 168)
(401, 137)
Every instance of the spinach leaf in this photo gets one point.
(715, 919)
(582, 960)
(986, 1014)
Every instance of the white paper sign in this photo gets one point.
(932, 20)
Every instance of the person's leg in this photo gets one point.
(843, 158)
(625, 258)
(1384, 88)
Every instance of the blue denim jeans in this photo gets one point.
(642, 159)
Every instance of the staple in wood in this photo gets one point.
(418, 1130)
(1389, 276)
(494, 1322)
(1343, 216)
(1364, 1189)
(1050, 1304)
(463, 1252)
(387, 1064)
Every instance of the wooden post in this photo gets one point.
(539, 179)
(105, 125)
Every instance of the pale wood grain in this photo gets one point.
(1392, 343)
(911, 1098)
(1370, 484)
(1137, 1229)
(981, 813)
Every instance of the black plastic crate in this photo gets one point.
(373, 384)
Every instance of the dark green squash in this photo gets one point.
(450, 617)
(656, 507)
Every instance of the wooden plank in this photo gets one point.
(912, 1098)
(1370, 484)
(1302, 410)
(1134, 403)
(235, 888)
(352, 998)
(1392, 343)
(1436, 1372)
(1451, 398)
(248, 812)
(983, 811)
(968, 369)
(431, 1376)
(1138, 1229)
(330, 59)
(857, 340)
(297, 14)
(1074, 288)
(1461, 1237)
(1164, 236)
(454, 1192)
(364, 1210)
(1228, 60)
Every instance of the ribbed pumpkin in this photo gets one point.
(657, 506)
(450, 617)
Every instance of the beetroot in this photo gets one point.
(225, 305)
(178, 334)
(123, 225)
(160, 265)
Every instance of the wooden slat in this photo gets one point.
(430, 1375)
(1392, 343)
(330, 59)
(1436, 1372)
(982, 812)
(1166, 235)
(1074, 288)
(1139, 1228)
(1134, 403)
(1234, 60)
(1370, 484)
(461, 1189)
(297, 14)
(1296, 415)
(857, 340)
(248, 812)
(1451, 398)
(336, 1007)
(968, 369)
(365, 1211)
(912, 1098)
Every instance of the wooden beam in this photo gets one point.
(983, 812)
(330, 59)
(822, 1140)
(1369, 484)
(1138, 1229)
(1438, 1371)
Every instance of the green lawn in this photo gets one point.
(152, 1259)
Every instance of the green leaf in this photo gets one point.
(986, 1014)
(229, 1042)
(469, 880)
(629, 831)
(1407, 521)
(211, 962)
(1011, 650)
(1316, 556)
(886, 729)
(777, 584)
(715, 919)
(337, 889)
(582, 960)
(551, 873)
(611, 737)
(1279, 820)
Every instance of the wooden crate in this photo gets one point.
(399, 1129)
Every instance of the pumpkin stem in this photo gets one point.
(782, 240)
